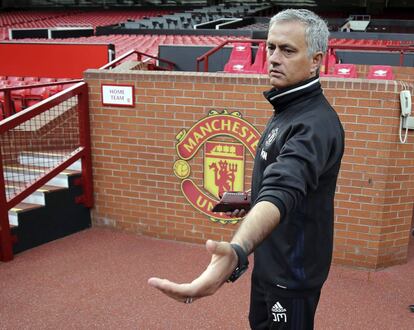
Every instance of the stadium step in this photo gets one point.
(21, 207)
(22, 173)
(51, 212)
(38, 197)
(33, 201)
(40, 158)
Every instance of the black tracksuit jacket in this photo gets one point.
(296, 168)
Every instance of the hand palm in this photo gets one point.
(223, 261)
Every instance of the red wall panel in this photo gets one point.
(51, 59)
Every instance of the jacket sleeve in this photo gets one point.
(299, 165)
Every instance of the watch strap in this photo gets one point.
(242, 263)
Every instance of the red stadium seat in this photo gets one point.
(383, 72)
(18, 96)
(52, 89)
(46, 80)
(1, 105)
(35, 95)
(31, 79)
(12, 79)
(58, 88)
(345, 70)
(332, 60)
(259, 63)
(240, 58)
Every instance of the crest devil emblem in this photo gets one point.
(224, 137)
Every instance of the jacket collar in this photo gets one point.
(281, 98)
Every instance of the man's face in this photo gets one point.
(287, 55)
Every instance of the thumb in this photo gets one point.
(219, 248)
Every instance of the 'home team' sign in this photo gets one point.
(118, 95)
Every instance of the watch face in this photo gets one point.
(239, 271)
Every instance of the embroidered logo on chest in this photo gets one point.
(271, 136)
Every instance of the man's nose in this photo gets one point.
(275, 57)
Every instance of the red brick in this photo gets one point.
(134, 152)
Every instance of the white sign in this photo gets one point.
(118, 95)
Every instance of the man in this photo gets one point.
(290, 227)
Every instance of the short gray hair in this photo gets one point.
(316, 29)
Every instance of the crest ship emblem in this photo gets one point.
(224, 137)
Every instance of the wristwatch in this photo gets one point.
(242, 263)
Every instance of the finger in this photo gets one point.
(240, 213)
(233, 214)
(170, 287)
(217, 272)
(176, 291)
(236, 213)
(155, 282)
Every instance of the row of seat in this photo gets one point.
(56, 18)
(191, 18)
(240, 61)
(32, 19)
(26, 97)
(346, 70)
(94, 19)
(144, 43)
(369, 42)
(15, 17)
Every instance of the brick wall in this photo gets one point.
(133, 152)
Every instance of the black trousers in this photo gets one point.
(270, 308)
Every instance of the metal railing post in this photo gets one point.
(85, 142)
(6, 241)
(326, 64)
(8, 110)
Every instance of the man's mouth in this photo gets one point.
(275, 73)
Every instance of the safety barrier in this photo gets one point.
(205, 57)
(140, 56)
(57, 126)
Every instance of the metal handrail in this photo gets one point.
(83, 152)
(171, 65)
(206, 55)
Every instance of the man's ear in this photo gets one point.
(316, 62)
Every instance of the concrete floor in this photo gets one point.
(97, 279)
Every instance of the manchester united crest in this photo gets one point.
(223, 167)
(223, 140)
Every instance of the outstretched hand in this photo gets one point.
(223, 262)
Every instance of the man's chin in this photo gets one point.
(277, 83)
